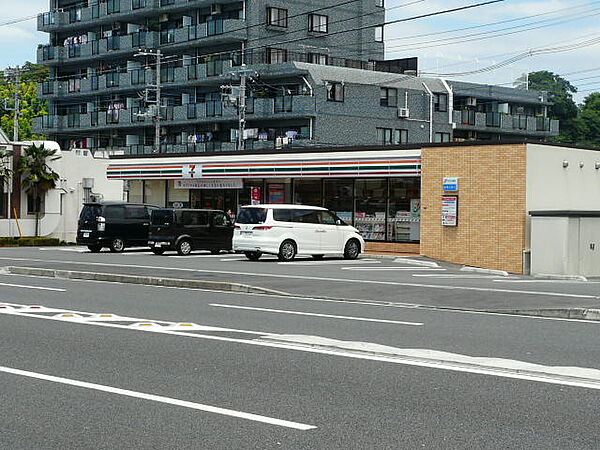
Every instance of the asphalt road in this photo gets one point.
(82, 369)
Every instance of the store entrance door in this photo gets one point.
(222, 199)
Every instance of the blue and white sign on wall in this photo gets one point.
(450, 184)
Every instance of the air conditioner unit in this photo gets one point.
(403, 113)
(216, 8)
(163, 17)
(471, 101)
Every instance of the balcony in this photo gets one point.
(97, 49)
(505, 123)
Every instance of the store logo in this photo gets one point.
(191, 171)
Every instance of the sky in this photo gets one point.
(527, 25)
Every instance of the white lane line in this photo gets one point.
(312, 278)
(160, 399)
(548, 281)
(381, 269)
(33, 287)
(233, 259)
(302, 313)
(329, 262)
(410, 361)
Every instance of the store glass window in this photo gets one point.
(338, 196)
(371, 205)
(279, 191)
(404, 214)
(308, 192)
(154, 192)
(177, 198)
(252, 193)
(135, 191)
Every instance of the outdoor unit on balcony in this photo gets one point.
(216, 8)
(471, 101)
(403, 113)
(163, 17)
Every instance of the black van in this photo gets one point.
(115, 225)
(185, 230)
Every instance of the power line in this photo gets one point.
(19, 20)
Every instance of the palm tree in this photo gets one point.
(37, 177)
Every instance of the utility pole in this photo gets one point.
(155, 108)
(240, 102)
(16, 74)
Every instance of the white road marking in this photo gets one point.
(302, 313)
(159, 399)
(33, 287)
(310, 278)
(410, 360)
(331, 262)
(548, 281)
(448, 275)
(380, 269)
(233, 259)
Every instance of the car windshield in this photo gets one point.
(252, 215)
(162, 216)
(90, 212)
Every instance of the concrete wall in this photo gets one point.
(491, 209)
(554, 245)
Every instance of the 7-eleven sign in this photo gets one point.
(192, 171)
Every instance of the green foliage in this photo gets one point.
(560, 93)
(588, 122)
(28, 241)
(31, 106)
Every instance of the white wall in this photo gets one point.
(554, 245)
(552, 187)
(63, 204)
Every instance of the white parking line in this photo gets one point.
(159, 399)
(332, 262)
(33, 287)
(302, 313)
(428, 269)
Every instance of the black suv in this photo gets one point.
(185, 230)
(115, 225)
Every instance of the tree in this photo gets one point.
(37, 177)
(560, 93)
(31, 106)
(588, 122)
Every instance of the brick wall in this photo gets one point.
(491, 205)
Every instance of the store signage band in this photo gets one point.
(210, 183)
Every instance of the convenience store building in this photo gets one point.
(467, 202)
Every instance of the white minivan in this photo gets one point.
(289, 230)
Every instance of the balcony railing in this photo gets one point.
(519, 123)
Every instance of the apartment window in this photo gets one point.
(384, 136)
(442, 137)
(138, 76)
(318, 23)
(276, 55)
(318, 58)
(400, 136)
(440, 102)
(283, 104)
(379, 3)
(388, 97)
(379, 34)
(277, 17)
(113, 6)
(214, 27)
(335, 92)
(137, 4)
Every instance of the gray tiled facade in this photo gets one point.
(310, 87)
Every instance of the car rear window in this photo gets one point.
(162, 216)
(90, 212)
(252, 215)
(282, 215)
(114, 212)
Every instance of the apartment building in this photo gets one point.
(316, 76)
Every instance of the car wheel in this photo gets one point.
(184, 247)
(215, 252)
(158, 251)
(94, 248)
(287, 251)
(117, 245)
(253, 256)
(317, 256)
(352, 249)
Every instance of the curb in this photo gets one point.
(561, 277)
(500, 273)
(142, 279)
(416, 262)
